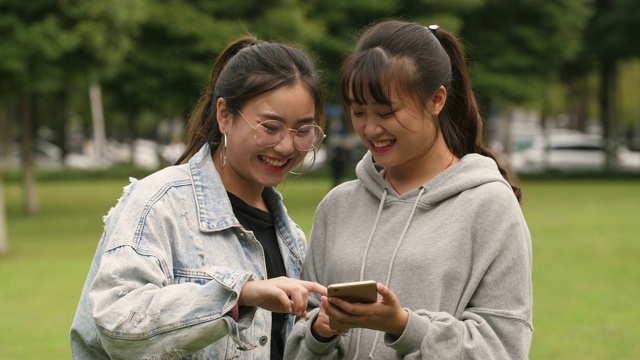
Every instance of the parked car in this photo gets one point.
(146, 155)
(570, 151)
(46, 155)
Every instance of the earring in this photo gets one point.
(223, 151)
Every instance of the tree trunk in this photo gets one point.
(28, 174)
(6, 139)
(608, 113)
(63, 119)
(579, 89)
(7, 142)
(506, 119)
(97, 117)
(4, 239)
(544, 127)
(133, 132)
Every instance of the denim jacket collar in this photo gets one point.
(214, 208)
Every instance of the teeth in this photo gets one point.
(273, 162)
(382, 143)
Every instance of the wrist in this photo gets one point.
(398, 326)
(317, 335)
(242, 296)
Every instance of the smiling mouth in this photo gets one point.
(381, 144)
(273, 162)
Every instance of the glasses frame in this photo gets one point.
(293, 131)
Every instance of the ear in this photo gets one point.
(222, 114)
(438, 100)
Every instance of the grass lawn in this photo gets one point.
(585, 240)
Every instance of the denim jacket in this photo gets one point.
(169, 269)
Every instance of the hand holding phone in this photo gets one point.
(355, 292)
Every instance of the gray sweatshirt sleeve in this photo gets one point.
(438, 335)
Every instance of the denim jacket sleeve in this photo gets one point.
(138, 312)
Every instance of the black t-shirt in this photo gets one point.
(261, 223)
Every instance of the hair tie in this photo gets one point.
(434, 30)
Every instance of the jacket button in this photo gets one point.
(263, 340)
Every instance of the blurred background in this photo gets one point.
(101, 89)
(91, 84)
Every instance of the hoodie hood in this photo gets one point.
(471, 171)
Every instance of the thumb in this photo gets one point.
(388, 297)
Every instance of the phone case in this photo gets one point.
(355, 292)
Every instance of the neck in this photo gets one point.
(249, 192)
(403, 181)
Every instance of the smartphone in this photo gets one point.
(355, 292)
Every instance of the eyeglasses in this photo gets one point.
(269, 133)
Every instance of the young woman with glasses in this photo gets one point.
(200, 260)
(432, 218)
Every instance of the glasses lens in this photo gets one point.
(308, 137)
(269, 133)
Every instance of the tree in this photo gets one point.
(104, 31)
(517, 47)
(4, 240)
(174, 50)
(610, 38)
(30, 43)
(45, 43)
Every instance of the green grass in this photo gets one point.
(585, 240)
(586, 249)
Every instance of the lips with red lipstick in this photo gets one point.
(381, 145)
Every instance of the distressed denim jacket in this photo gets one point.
(169, 269)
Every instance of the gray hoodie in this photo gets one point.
(455, 251)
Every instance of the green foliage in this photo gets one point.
(154, 57)
(75, 36)
(177, 45)
(104, 31)
(612, 31)
(585, 271)
(518, 46)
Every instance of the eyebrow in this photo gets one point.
(272, 116)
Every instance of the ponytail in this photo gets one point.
(460, 119)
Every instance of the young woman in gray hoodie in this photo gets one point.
(432, 217)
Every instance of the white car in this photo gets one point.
(570, 151)
(45, 155)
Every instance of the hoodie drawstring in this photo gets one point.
(364, 257)
(393, 257)
(373, 231)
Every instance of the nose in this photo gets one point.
(285, 146)
(371, 128)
